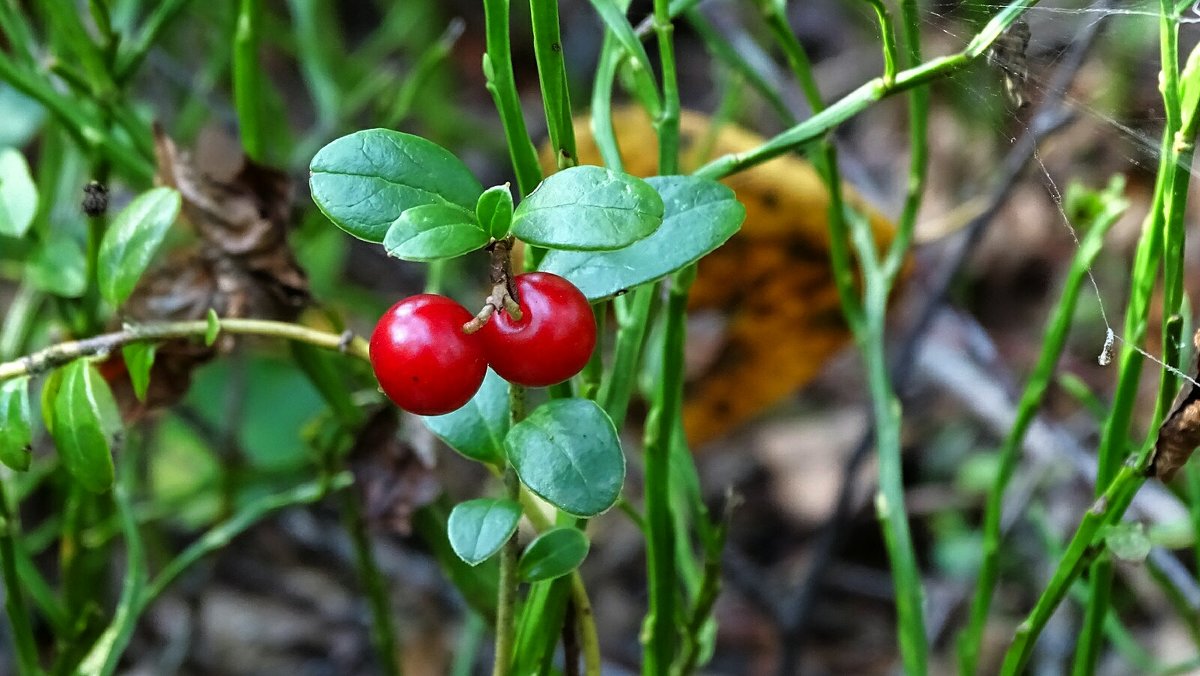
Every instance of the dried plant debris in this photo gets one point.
(243, 216)
(393, 480)
(241, 265)
(1180, 432)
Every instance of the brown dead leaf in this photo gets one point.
(772, 280)
(1179, 434)
(392, 479)
(240, 266)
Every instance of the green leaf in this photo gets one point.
(588, 208)
(553, 554)
(131, 240)
(87, 425)
(16, 430)
(18, 194)
(477, 429)
(365, 180)
(567, 451)
(700, 216)
(213, 329)
(59, 267)
(433, 231)
(479, 528)
(139, 358)
(22, 117)
(49, 394)
(495, 210)
(1128, 541)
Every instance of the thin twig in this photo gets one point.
(103, 344)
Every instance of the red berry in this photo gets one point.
(423, 360)
(552, 341)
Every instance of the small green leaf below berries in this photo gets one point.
(567, 451)
(16, 431)
(86, 425)
(700, 216)
(18, 194)
(139, 358)
(131, 240)
(1128, 541)
(365, 180)
(553, 554)
(477, 429)
(589, 209)
(495, 210)
(479, 528)
(434, 231)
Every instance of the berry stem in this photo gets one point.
(504, 292)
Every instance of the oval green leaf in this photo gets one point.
(433, 231)
(477, 429)
(86, 425)
(567, 451)
(131, 240)
(16, 427)
(139, 359)
(700, 216)
(495, 210)
(553, 554)
(18, 194)
(59, 267)
(589, 209)
(365, 180)
(477, 529)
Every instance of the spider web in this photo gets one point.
(1022, 73)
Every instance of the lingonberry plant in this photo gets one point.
(590, 270)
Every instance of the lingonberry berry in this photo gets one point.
(553, 339)
(423, 360)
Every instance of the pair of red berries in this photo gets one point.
(428, 365)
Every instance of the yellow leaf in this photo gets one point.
(772, 280)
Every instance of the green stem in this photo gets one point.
(383, 633)
(129, 60)
(661, 632)
(247, 80)
(498, 70)
(1058, 327)
(224, 533)
(552, 76)
(18, 320)
(888, 38)
(864, 96)
(506, 600)
(1082, 548)
(14, 595)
